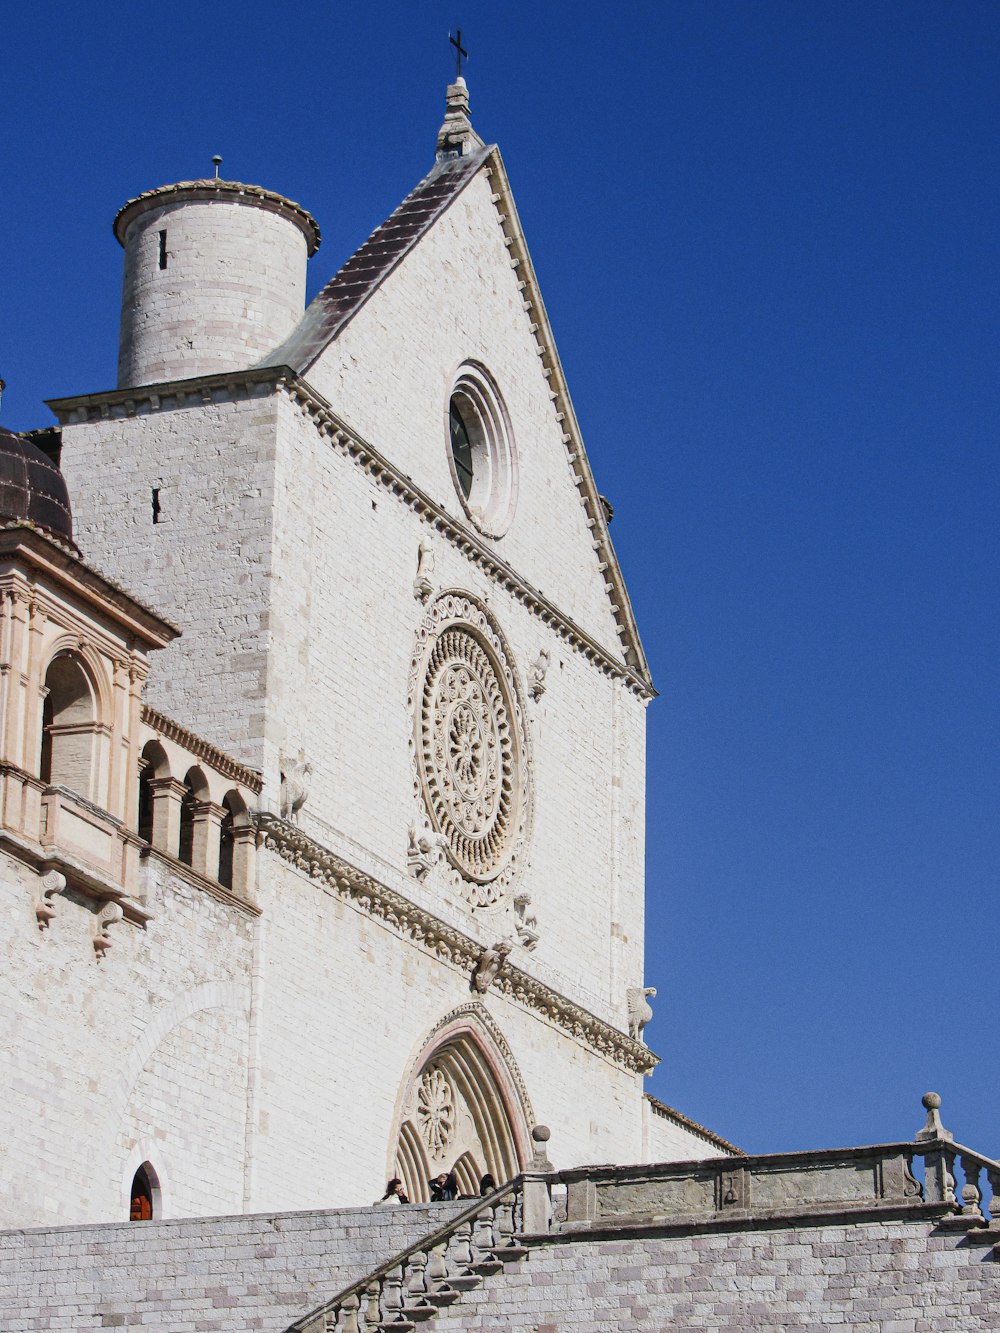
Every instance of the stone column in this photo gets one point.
(168, 793)
(205, 845)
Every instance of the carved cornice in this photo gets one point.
(447, 943)
(218, 759)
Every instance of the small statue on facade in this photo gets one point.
(423, 586)
(295, 776)
(527, 921)
(424, 850)
(491, 960)
(537, 673)
(639, 1011)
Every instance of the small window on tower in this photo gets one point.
(163, 249)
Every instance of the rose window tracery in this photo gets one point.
(435, 1111)
(470, 746)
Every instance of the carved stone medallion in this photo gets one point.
(435, 1110)
(470, 746)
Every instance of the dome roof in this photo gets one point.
(32, 489)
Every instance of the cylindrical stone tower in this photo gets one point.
(215, 278)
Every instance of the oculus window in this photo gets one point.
(481, 451)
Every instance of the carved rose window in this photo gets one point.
(435, 1111)
(470, 746)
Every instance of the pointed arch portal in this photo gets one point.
(464, 1108)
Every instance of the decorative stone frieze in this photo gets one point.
(446, 942)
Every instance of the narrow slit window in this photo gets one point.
(156, 504)
(163, 249)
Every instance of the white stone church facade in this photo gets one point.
(321, 732)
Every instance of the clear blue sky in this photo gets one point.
(766, 236)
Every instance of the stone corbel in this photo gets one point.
(109, 915)
(50, 886)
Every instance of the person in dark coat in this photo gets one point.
(444, 1187)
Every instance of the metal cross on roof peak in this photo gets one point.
(460, 51)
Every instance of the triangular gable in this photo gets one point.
(366, 270)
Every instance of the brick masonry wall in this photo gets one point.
(873, 1277)
(218, 1275)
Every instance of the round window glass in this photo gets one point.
(481, 451)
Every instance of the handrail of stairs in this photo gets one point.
(430, 1273)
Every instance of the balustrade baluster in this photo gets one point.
(373, 1306)
(483, 1235)
(505, 1220)
(437, 1265)
(460, 1248)
(392, 1292)
(416, 1278)
(347, 1315)
(993, 1176)
(972, 1195)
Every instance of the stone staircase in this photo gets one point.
(413, 1286)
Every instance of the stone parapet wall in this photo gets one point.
(874, 1277)
(219, 1274)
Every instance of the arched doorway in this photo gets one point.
(464, 1108)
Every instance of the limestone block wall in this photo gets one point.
(141, 1054)
(210, 283)
(881, 1277)
(216, 1275)
(344, 631)
(205, 563)
(455, 299)
(343, 1007)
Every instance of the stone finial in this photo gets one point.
(933, 1128)
(456, 137)
(540, 1135)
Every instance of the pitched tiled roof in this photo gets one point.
(363, 273)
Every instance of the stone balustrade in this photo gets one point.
(432, 1274)
(880, 1183)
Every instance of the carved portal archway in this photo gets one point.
(463, 1108)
